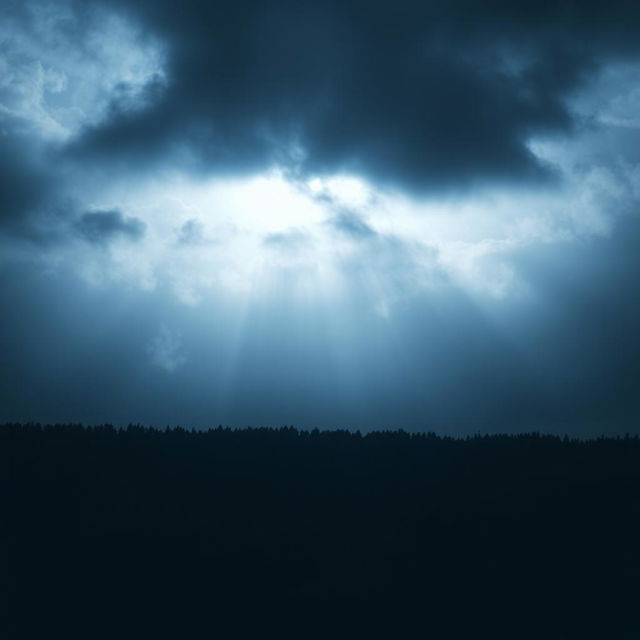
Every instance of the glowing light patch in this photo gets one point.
(323, 238)
(267, 204)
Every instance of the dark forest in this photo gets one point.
(144, 533)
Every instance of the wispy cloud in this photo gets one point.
(165, 350)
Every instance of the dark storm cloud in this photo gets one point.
(422, 95)
(100, 227)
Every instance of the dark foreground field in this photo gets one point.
(279, 533)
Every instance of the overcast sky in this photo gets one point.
(327, 214)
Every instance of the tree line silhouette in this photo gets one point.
(145, 533)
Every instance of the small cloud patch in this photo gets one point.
(192, 233)
(351, 224)
(101, 227)
(165, 350)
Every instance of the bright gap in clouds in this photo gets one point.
(324, 237)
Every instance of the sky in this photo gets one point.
(365, 215)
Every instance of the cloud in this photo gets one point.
(425, 101)
(351, 224)
(100, 227)
(165, 350)
(191, 233)
(288, 241)
(66, 66)
(424, 97)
